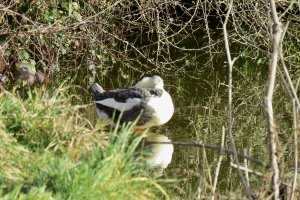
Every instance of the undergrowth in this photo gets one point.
(49, 151)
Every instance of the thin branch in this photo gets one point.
(286, 72)
(246, 169)
(249, 170)
(212, 147)
(128, 43)
(295, 132)
(218, 166)
(277, 31)
(55, 29)
(261, 175)
(230, 63)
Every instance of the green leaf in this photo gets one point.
(48, 16)
(31, 67)
(65, 6)
(74, 5)
(24, 54)
(77, 16)
(260, 61)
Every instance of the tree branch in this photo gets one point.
(230, 63)
(211, 147)
(277, 31)
(218, 166)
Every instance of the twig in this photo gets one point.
(246, 169)
(269, 96)
(261, 175)
(11, 12)
(295, 132)
(50, 29)
(129, 44)
(286, 72)
(212, 147)
(249, 170)
(218, 166)
(187, 23)
(286, 10)
(230, 63)
(158, 51)
(285, 85)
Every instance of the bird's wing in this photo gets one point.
(124, 98)
(121, 106)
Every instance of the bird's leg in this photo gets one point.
(139, 131)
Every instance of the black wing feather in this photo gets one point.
(122, 94)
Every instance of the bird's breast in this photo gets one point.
(163, 108)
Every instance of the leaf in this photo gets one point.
(77, 16)
(24, 55)
(260, 61)
(31, 67)
(65, 6)
(48, 16)
(74, 5)
(63, 51)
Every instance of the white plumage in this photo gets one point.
(147, 100)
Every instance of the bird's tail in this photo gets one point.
(96, 90)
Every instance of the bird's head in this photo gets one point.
(151, 82)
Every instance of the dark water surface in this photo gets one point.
(200, 113)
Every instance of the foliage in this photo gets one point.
(48, 151)
(86, 41)
(37, 120)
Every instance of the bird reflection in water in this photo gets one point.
(159, 156)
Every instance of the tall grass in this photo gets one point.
(49, 151)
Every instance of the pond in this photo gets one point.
(201, 114)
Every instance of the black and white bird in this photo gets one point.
(147, 100)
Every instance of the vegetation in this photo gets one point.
(43, 158)
(51, 144)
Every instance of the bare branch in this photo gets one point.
(256, 173)
(218, 166)
(287, 75)
(212, 147)
(249, 170)
(277, 31)
(230, 63)
(295, 132)
(246, 169)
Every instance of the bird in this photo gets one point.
(147, 100)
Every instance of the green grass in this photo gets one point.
(49, 151)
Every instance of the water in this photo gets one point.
(200, 99)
